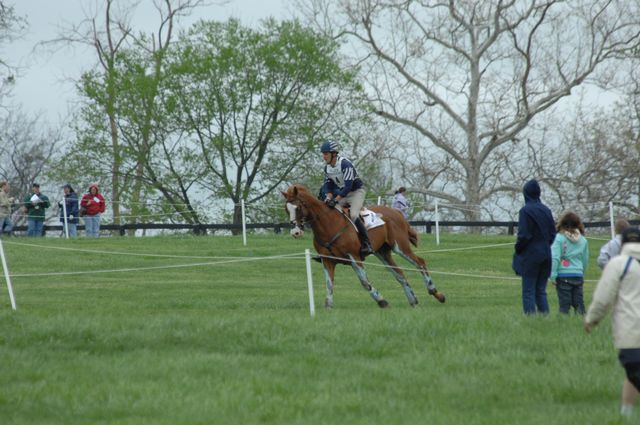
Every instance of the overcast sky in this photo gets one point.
(44, 81)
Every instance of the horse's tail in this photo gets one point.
(413, 236)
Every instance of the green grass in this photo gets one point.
(233, 343)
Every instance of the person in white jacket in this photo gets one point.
(619, 289)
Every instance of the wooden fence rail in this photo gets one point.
(202, 229)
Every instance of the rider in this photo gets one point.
(343, 186)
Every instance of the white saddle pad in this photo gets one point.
(371, 219)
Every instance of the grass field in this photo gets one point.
(158, 331)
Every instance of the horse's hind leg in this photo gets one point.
(329, 268)
(398, 274)
(364, 281)
(422, 267)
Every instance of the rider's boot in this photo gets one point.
(365, 244)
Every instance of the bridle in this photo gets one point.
(298, 220)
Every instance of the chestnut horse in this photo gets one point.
(336, 241)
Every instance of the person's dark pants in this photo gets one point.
(630, 360)
(35, 227)
(534, 292)
(570, 294)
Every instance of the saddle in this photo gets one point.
(370, 218)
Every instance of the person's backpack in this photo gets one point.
(626, 267)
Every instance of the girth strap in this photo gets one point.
(335, 237)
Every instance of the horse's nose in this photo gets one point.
(296, 232)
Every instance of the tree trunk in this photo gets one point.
(115, 171)
(237, 217)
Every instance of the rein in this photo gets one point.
(316, 218)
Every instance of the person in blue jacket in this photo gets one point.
(71, 206)
(342, 186)
(532, 258)
(569, 260)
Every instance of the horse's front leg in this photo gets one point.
(364, 281)
(329, 268)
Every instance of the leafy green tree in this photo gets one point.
(254, 104)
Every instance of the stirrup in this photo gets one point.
(366, 249)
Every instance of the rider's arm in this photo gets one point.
(328, 187)
(349, 174)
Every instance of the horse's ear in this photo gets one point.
(284, 194)
(295, 190)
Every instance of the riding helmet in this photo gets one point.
(329, 146)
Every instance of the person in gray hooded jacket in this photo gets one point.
(612, 248)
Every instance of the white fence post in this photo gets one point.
(7, 277)
(312, 307)
(437, 225)
(244, 224)
(611, 221)
(64, 217)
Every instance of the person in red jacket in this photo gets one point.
(91, 206)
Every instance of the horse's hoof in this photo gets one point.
(383, 304)
(440, 297)
(328, 304)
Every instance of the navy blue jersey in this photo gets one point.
(341, 179)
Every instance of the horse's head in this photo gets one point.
(296, 209)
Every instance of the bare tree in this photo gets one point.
(140, 115)
(108, 31)
(28, 151)
(469, 77)
(27, 148)
(12, 27)
(598, 159)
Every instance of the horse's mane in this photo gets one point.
(304, 194)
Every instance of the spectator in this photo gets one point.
(6, 225)
(36, 203)
(612, 248)
(400, 202)
(619, 290)
(71, 207)
(532, 257)
(569, 259)
(93, 204)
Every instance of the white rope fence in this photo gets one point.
(165, 267)
(7, 276)
(438, 251)
(221, 260)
